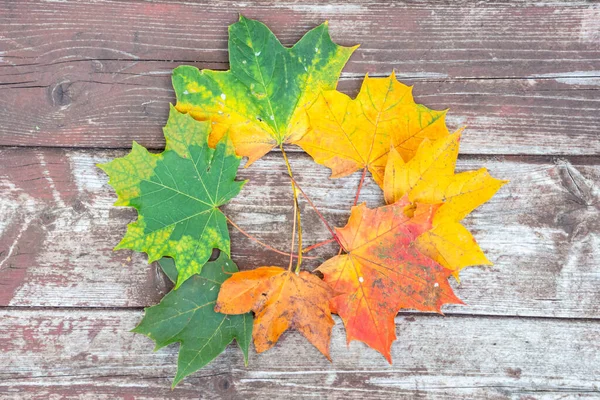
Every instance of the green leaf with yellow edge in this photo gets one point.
(429, 178)
(178, 194)
(351, 134)
(187, 316)
(261, 100)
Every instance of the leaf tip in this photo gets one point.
(102, 166)
(388, 357)
(456, 276)
(178, 283)
(460, 130)
(248, 163)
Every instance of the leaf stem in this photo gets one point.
(249, 236)
(296, 208)
(293, 237)
(314, 246)
(335, 237)
(362, 180)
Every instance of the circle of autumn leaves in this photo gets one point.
(398, 256)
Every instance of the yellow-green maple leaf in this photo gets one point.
(261, 100)
(177, 194)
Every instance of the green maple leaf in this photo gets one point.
(177, 194)
(187, 316)
(168, 267)
(261, 100)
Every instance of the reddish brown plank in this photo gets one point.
(86, 353)
(96, 74)
(58, 228)
(502, 116)
(465, 39)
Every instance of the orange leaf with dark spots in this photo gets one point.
(281, 300)
(384, 272)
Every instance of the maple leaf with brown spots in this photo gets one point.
(281, 300)
(383, 272)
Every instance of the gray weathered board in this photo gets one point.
(80, 80)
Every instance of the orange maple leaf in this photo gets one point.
(384, 272)
(280, 300)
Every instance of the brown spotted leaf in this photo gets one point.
(281, 300)
(383, 272)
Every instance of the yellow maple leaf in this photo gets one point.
(429, 178)
(348, 135)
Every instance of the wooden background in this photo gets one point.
(79, 80)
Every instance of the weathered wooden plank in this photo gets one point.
(83, 353)
(58, 228)
(464, 39)
(503, 116)
(96, 74)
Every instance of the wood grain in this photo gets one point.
(542, 231)
(92, 353)
(82, 79)
(96, 74)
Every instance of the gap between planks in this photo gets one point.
(401, 314)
